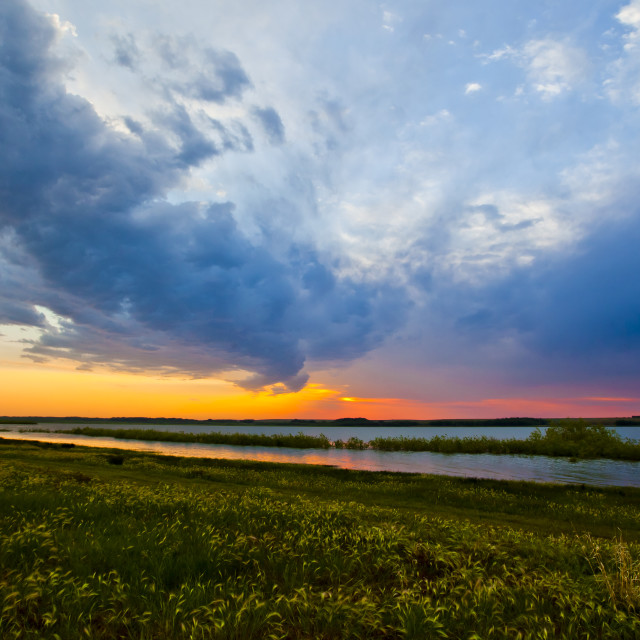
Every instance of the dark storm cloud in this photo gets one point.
(12, 312)
(575, 314)
(13, 308)
(195, 146)
(271, 123)
(145, 284)
(589, 302)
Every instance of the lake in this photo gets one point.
(503, 467)
(339, 432)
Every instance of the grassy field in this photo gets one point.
(565, 438)
(115, 544)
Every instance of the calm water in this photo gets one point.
(534, 468)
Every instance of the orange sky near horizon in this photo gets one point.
(60, 388)
(31, 389)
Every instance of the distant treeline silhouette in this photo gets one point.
(442, 422)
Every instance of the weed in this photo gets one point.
(613, 564)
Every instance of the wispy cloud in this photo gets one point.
(554, 67)
(606, 399)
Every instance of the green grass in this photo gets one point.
(159, 547)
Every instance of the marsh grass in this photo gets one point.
(298, 440)
(351, 443)
(576, 439)
(176, 548)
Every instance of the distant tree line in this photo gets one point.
(358, 421)
(446, 422)
(449, 422)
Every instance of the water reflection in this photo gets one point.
(534, 468)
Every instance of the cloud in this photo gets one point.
(390, 20)
(629, 16)
(564, 317)
(623, 84)
(180, 68)
(436, 119)
(472, 87)
(554, 67)
(126, 52)
(202, 73)
(271, 123)
(137, 282)
(62, 26)
(499, 54)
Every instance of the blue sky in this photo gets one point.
(428, 201)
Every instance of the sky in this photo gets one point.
(414, 209)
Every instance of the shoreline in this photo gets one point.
(515, 468)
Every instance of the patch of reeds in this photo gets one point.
(298, 440)
(351, 443)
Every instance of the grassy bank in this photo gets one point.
(570, 438)
(106, 544)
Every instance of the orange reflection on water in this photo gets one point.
(183, 449)
(325, 457)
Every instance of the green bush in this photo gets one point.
(581, 439)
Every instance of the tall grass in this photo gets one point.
(617, 568)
